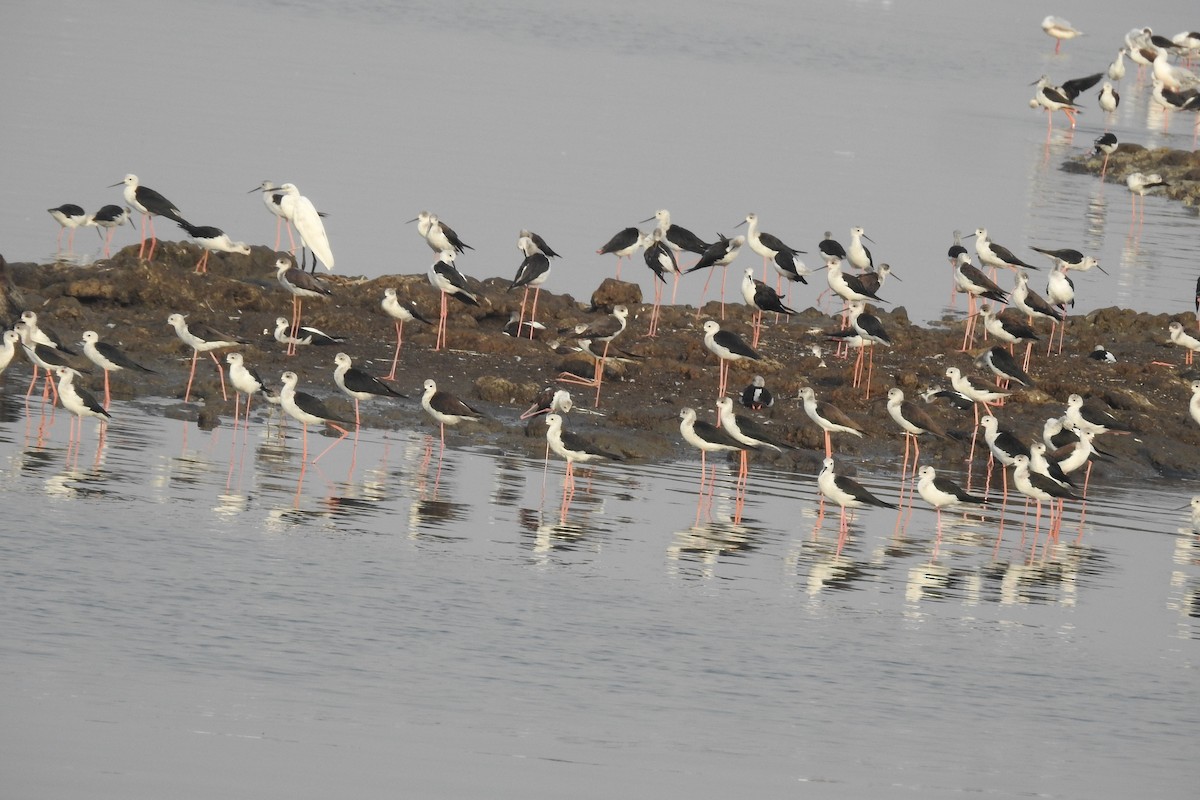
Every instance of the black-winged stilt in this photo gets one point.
(533, 271)
(359, 385)
(573, 449)
(402, 311)
(943, 493)
(203, 338)
(1060, 29)
(720, 253)
(660, 258)
(69, 217)
(446, 409)
(212, 240)
(828, 417)
(846, 493)
(304, 335)
(109, 358)
(300, 285)
(1002, 364)
(1102, 354)
(603, 330)
(707, 438)
(761, 297)
(727, 346)
(308, 410)
(446, 278)
(245, 380)
(151, 204)
(1093, 418)
(757, 396)
(679, 239)
(437, 234)
(1138, 184)
(623, 244)
(539, 242)
(110, 217)
(765, 244)
(857, 254)
(79, 401)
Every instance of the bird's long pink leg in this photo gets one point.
(188, 392)
(396, 356)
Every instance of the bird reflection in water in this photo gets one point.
(696, 551)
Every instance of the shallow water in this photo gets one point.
(909, 119)
(188, 609)
(190, 615)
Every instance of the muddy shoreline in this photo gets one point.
(128, 302)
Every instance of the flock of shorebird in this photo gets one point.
(1040, 471)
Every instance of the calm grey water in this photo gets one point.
(909, 119)
(189, 615)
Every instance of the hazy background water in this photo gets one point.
(576, 120)
(181, 621)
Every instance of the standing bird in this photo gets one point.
(603, 330)
(1060, 292)
(1138, 184)
(308, 410)
(438, 235)
(109, 358)
(1109, 98)
(623, 244)
(761, 297)
(212, 240)
(727, 346)
(1185, 340)
(660, 258)
(828, 418)
(151, 204)
(830, 247)
(719, 254)
(1106, 144)
(1033, 305)
(446, 409)
(203, 338)
(971, 281)
(540, 242)
(845, 491)
(301, 212)
(79, 401)
(444, 277)
(765, 244)
(857, 253)
(533, 271)
(110, 217)
(1069, 258)
(913, 421)
(358, 384)
(300, 285)
(994, 255)
(1040, 488)
(1060, 29)
(1116, 70)
(1003, 366)
(943, 493)
(573, 448)
(707, 438)
(245, 380)
(69, 217)
(679, 239)
(871, 332)
(402, 311)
